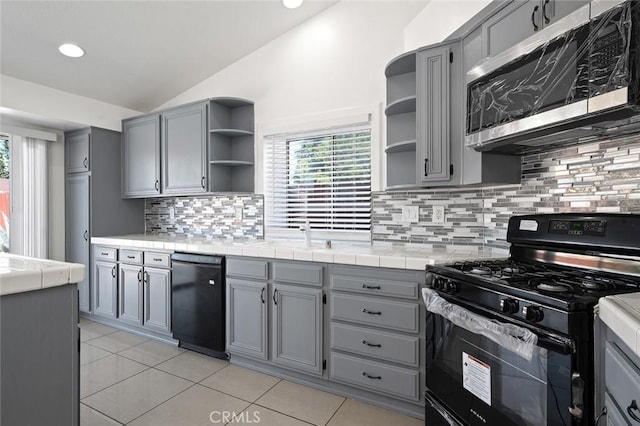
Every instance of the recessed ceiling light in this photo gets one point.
(291, 4)
(71, 50)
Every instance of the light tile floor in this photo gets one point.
(129, 379)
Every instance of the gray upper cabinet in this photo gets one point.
(184, 150)
(521, 19)
(432, 115)
(297, 328)
(77, 153)
(141, 156)
(77, 231)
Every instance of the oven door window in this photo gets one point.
(482, 383)
(553, 75)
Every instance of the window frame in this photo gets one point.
(308, 124)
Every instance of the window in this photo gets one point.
(322, 177)
(5, 191)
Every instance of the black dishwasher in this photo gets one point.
(198, 302)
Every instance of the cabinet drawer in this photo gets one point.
(622, 379)
(614, 415)
(247, 268)
(133, 257)
(162, 260)
(377, 344)
(108, 254)
(397, 381)
(383, 313)
(375, 286)
(298, 274)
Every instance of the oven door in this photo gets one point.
(474, 380)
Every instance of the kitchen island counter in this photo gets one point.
(385, 255)
(20, 273)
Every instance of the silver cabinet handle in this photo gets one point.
(113, 271)
(373, 345)
(84, 162)
(86, 235)
(157, 185)
(262, 294)
(157, 259)
(202, 182)
(130, 257)
(104, 254)
(146, 277)
(366, 311)
(140, 275)
(533, 18)
(544, 12)
(275, 301)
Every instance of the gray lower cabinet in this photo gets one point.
(77, 231)
(130, 294)
(157, 298)
(247, 332)
(184, 150)
(297, 327)
(105, 289)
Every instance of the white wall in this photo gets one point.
(438, 20)
(32, 98)
(333, 61)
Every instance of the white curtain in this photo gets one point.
(29, 213)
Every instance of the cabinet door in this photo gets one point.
(141, 156)
(514, 23)
(432, 115)
(184, 149)
(105, 289)
(130, 294)
(77, 232)
(297, 328)
(247, 318)
(157, 299)
(554, 10)
(76, 153)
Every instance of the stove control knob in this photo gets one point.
(438, 283)
(451, 287)
(509, 306)
(533, 313)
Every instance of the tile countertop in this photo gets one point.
(409, 256)
(19, 273)
(621, 313)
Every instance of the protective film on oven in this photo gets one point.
(517, 339)
(587, 61)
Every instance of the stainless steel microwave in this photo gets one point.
(576, 78)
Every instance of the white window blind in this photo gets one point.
(323, 177)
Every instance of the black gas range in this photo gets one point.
(516, 334)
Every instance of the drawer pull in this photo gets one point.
(371, 287)
(157, 259)
(130, 257)
(630, 410)
(364, 373)
(140, 275)
(373, 345)
(104, 254)
(366, 311)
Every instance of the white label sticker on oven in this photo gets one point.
(528, 225)
(476, 377)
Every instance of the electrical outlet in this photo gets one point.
(172, 213)
(410, 214)
(438, 214)
(239, 210)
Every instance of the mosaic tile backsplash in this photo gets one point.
(601, 176)
(206, 216)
